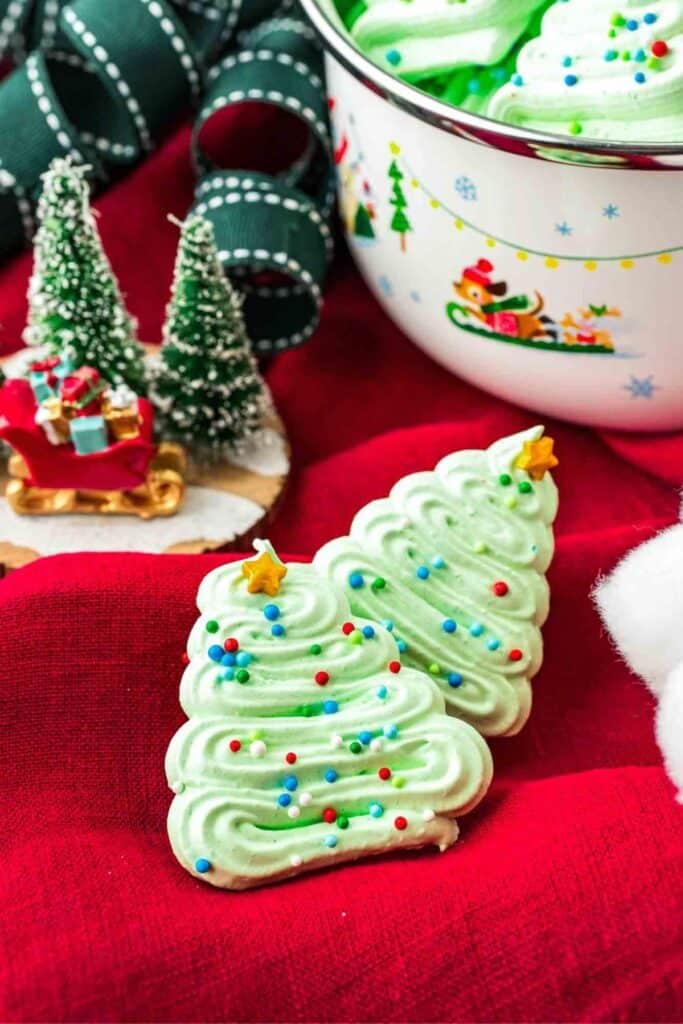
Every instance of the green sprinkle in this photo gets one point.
(242, 676)
(434, 669)
(525, 487)
(315, 649)
(256, 734)
(617, 20)
(612, 33)
(355, 747)
(342, 821)
(511, 502)
(653, 62)
(625, 54)
(398, 781)
(212, 626)
(379, 583)
(575, 128)
(356, 637)
(505, 479)
(480, 548)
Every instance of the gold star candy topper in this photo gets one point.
(265, 573)
(537, 457)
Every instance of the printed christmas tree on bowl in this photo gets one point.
(307, 742)
(453, 562)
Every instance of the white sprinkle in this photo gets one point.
(294, 812)
(428, 815)
(337, 741)
(305, 799)
(178, 787)
(257, 748)
(296, 860)
(376, 744)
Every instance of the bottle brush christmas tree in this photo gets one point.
(74, 299)
(207, 384)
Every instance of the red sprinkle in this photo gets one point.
(347, 628)
(384, 774)
(515, 654)
(394, 666)
(329, 815)
(400, 823)
(500, 588)
(235, 745)
(185, 658)
(290, 758)
(231, 645)
(322, 678)
(659, 48)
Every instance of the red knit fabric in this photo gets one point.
(561, 902)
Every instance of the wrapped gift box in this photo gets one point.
(82, 392)
(52, 418)
(40, 381)
(89, 434)
(120, 409)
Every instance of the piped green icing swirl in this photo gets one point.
(227, 811)
(485, 532)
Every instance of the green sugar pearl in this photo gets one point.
(242, 676)
(356, 637)
(355, 747)
(480, 548)
(505, 479)
(575, 128)
(342, 821)
(212, 626)
(379, 583)
(398, 781)
(434, 669)
(315, 649)
(511, 502)
(617, 20)
(525, 487)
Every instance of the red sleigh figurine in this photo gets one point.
(80, 446)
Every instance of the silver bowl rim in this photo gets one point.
(522, 141)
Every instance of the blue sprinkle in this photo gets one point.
(290, 782)
(229, 674)
(284, 799)
(202, 865)
(639, 77)
(517, 79)
(497, 74)
(228, 660)
(365, 737)
(388, 624)
(216, 652)
(449, 625)
(376, 810)
(243, 659)
(631, 24)
(493, 644)
(650, 18)
(422, 572)
(330, 707)
(368, 632)
(640, 56)
(330, 841)
(393, 57)
(438, 562)
(454, 679)
(330, 775)
(476, 629)
(474, 85)
(277, 629)
(391, 732)
(402, 646)
(271, 612)
(567, 62)
(610, 55)
(570, 79)
(356, 580)
(381, 692)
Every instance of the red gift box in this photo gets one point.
(82, 391)
(46, 366)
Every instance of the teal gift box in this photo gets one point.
(38, 380)
(89, 434)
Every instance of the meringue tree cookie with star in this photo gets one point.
(602, 70)
(453, 562)
(307, 743)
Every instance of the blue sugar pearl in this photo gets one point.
(610, 55)
(474, 86)
(229, 674)
(454, 679)
(650, 18)
(492, 644)
(376, 810)
(567, 62)
(639, 77)
(632, 24)
(402, 646)
(356, 580)
(368, 632)
(330, 707)
(216, 652)
(202, 865)
(284, 799)
(388, 624)
(365, 737)
(271, 612)
(243, 659)
(381, 692)
(422, 572)
(290, 783)
(476, 629)
(228, 660)
(517, 79)
(330, 775)
(391, 732)
(393, 57)
(330, 841)
(640, 56)
(277, 630)
(438, 562)
(449, 625)
(570, 79)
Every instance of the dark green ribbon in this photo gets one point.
(108, 80)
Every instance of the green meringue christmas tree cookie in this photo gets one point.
(307, 743)
(453, 563)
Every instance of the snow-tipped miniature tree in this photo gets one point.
(207, 384)
(74, 299)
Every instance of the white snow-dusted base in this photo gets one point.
(213, 516)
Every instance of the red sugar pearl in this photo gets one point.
(347, 628)
(394, 666)
(185, 658)
(384, 774)
(659, 48)
(400, 823)
(290, 758)
(322, 678)
(500, 588)
(231, 645)
(235, 745)
(329, 815)
(515, 654)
